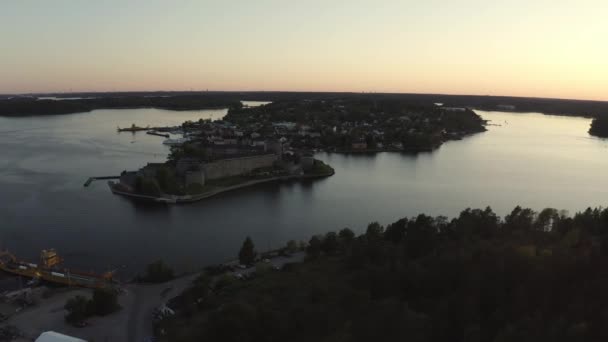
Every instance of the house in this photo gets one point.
(230, 140)
(454, 109)
(359, 145)
(51, 336)
(505, 107)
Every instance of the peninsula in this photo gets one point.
(66, 103)
(599, 127)
(361, 124)
(216, 157)
(45, 105)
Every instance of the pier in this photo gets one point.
(91, 179)
(166, 135)
(47, 269)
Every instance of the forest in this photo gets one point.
(530, 276)
(24, 106)
(181, 100)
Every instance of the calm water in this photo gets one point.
(532, 160)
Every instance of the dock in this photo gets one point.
(91, 179)
(133, 129)
(47, 269)
(166, 135)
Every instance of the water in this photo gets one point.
(531, 160)
(55, 98)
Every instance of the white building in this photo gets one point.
(51, 336)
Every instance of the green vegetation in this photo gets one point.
(167, 181)
(320, 168)
(528, 277)
(599, 127)
(147, 186)
(362, 123)
(104, 302)
(196, 189)
(32, 106)
(247, 254)
(291, 247)
(157, 272)
(78, 309)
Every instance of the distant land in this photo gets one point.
(23, 105)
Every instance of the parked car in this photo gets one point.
(81, 324)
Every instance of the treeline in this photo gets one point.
(532, 276)
(522, 104)
(32, 106)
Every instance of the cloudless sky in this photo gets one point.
(546, 48)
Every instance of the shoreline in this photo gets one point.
(174, 199)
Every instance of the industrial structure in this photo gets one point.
(48, 270)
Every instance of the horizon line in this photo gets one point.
(294, 91)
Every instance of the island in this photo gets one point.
(599, 127)
(355, 125)
(277, 142)
(197, 168)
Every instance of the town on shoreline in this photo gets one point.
(277, 142)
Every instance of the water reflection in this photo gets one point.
(535, 160)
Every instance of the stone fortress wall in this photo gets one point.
(237, 166)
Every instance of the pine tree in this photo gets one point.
(247, 254)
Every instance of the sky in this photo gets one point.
(540, 48)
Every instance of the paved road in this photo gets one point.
(145, 299)
(131, 324)
(148, 297)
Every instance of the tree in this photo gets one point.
(546, 219)
(346, 235)
(420, 236)
(374, 231)
(104, 302)
(148, 187)
(158, 272)
(292, 246)
(314, 247)
(330, 243)
(201, 285)
(395, 232)
(78, 309)
(476, 221)
(247, 253)
(520, 219)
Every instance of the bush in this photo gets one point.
(158, 272)
(195, 189)
(247, 253)
(104, 302)
(320, 168)
(147, 186)
(78, 309)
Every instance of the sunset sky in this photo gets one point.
(544, 48)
